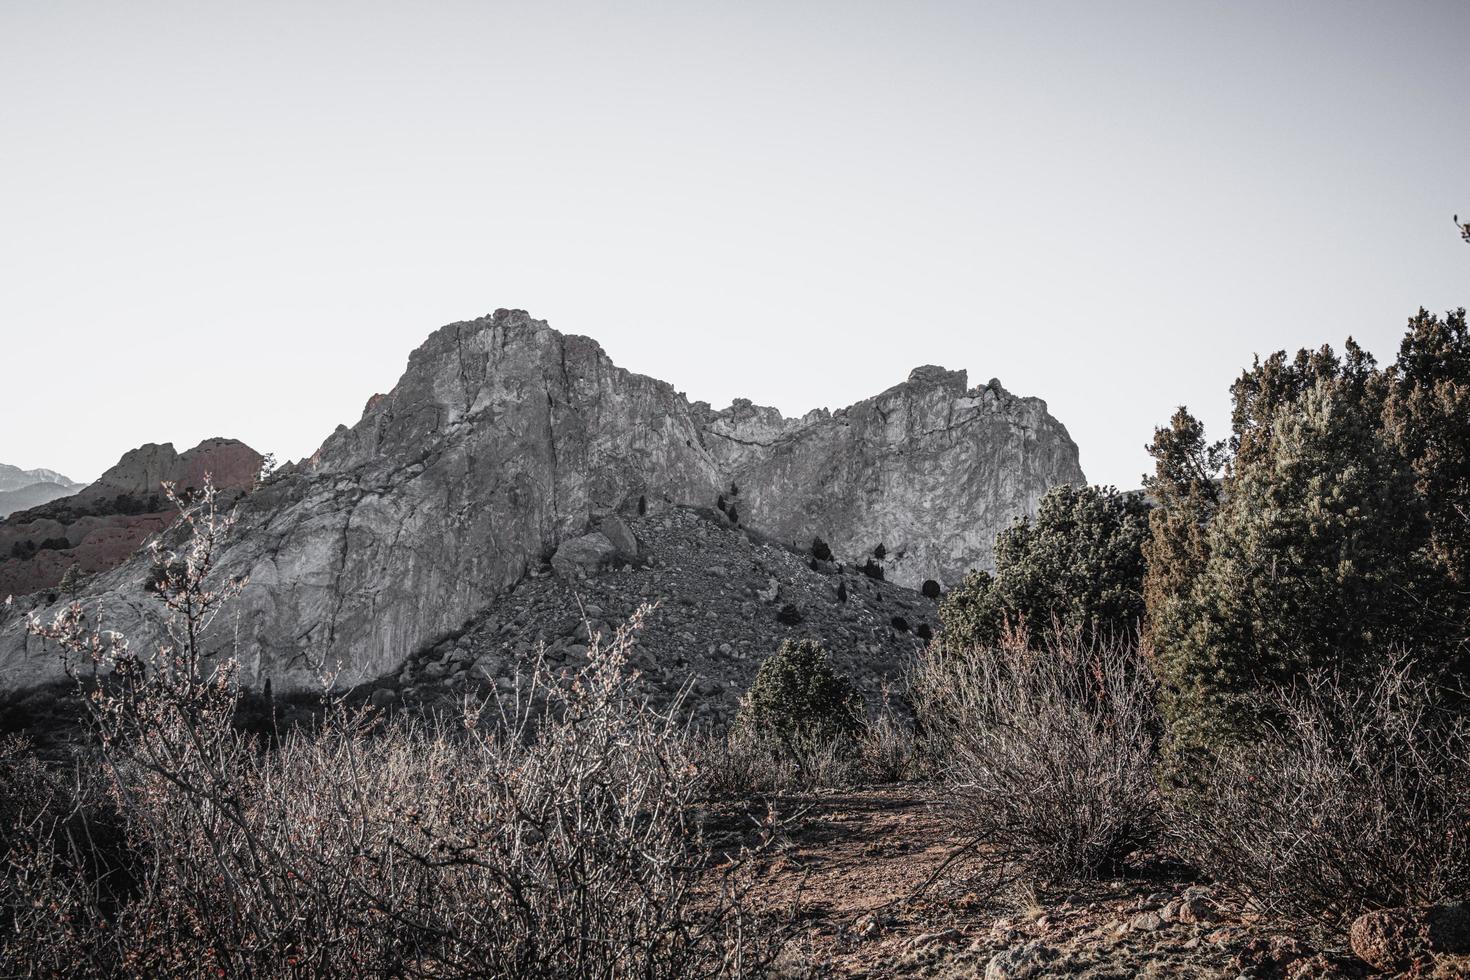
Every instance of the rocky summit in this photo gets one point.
(507, 450)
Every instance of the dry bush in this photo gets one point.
(750, 760)
(555, 833)
(1045, 756)
(742, 763)
(1357, 798)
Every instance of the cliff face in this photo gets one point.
(931, 469)
(505, 438)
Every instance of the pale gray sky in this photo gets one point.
(1109, 205)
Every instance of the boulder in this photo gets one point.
(1392, 939)
(621, 535)
(588, 554)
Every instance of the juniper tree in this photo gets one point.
(1078, 563)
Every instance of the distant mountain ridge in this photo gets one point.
(15, 478)
(32, 495)
(23, 489)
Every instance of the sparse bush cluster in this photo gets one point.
(1045, 752)
(1357, 798)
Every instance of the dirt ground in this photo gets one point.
(850, 865)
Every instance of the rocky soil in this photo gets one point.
(852, 864)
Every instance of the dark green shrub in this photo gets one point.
(930, 589)
(880, 552)
(899, 623)
(1077, 564)
(841, 591)
(789, 615)
(820, 550)
(873, 570)
(797, 694)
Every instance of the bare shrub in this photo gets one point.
(744, 762)
(1356, 798)
(1045, 755)
(553, 833)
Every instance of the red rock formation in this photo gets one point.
(109, 520)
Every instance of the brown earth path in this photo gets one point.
(849, 863)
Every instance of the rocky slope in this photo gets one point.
(725, 600)
(505, 440)
(104, 523)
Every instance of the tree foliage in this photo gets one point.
(1078, 562)
(1328, 532)
(797, 695)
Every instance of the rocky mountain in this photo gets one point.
(100, 526)
(506, 447)
(15, 478)
(931, 469)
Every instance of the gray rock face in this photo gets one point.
(504, 439)
(931, 469)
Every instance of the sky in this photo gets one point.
(239, 219)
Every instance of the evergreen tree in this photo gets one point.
(1078, 563)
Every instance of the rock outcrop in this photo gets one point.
(504, 439)
(931, 469)
(103, 524)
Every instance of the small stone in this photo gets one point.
(1024, 962)
(1146, 922)
(1197, 909)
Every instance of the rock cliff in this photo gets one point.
(931, 469)
(504, 439)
